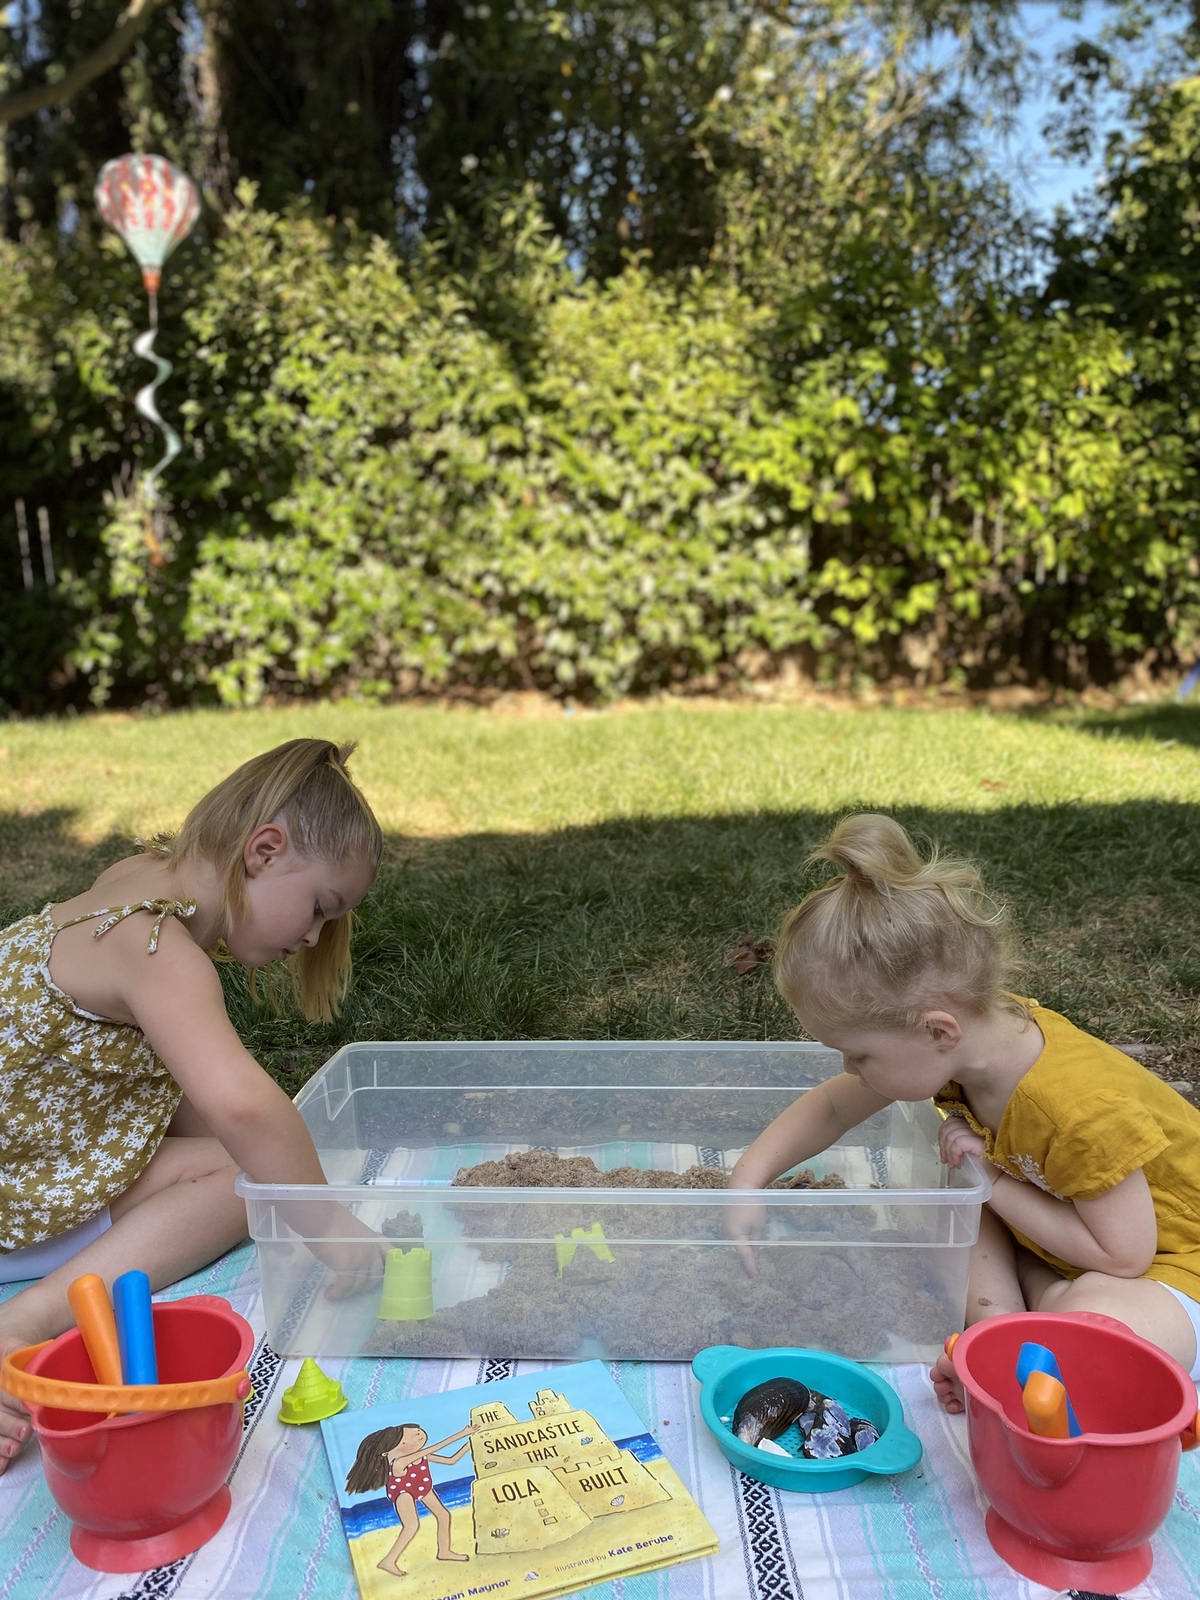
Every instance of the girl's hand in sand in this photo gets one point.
(356, 1256)
(357, 1268)
(744, 1225)
(956, 1139)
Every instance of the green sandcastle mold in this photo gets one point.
(407, 1286)
(312, 1396)
(591, 1238)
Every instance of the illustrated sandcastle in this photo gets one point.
(539, 1482)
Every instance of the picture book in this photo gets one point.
(532, 1486)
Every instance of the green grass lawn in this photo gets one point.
(585, 876)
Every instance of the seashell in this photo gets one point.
(500, 1533)
(773, 1449)
(830, 1431)
(765, 1411)
(826, 1427)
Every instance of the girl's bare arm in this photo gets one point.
(175, 998)
(1117, 1233)
(808, 1126)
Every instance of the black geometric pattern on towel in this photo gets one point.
(493, 1371)
(374, 1165)
(159, 1584)
(770, 1569)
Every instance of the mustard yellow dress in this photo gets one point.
(84, 1101)
(1085, 1116)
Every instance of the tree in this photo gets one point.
(395, 113)
(65, 87)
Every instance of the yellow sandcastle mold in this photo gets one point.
(592, 1238)
(407, 1286)
(312, 1396)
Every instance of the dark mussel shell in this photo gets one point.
(769, 1409)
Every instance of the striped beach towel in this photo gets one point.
(907, 1538)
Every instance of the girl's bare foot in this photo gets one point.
(396, 1572)
(15, 1429)
(452, 1555)
(946, 1385)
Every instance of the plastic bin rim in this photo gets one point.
(623, 1088)
(756, 1045)
(973, 1194)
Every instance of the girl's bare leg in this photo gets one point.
(179, 1214)
(993, 1290)
(410, 1521)
(1037, 1277)
(1143, 1305)
(442, 1517)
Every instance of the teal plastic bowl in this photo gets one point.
(726, 1372)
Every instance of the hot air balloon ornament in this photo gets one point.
(153, 206)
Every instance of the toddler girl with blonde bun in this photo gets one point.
(899, 963)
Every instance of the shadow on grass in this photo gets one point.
(42, 859)
(1162, 724)
(624, 929)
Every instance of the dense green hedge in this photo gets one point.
(621, 487)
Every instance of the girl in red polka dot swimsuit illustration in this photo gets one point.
(397, 1461)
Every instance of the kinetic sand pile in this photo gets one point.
(668, 1300)
(542, 1169)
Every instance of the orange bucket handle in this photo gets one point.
(109, 1397)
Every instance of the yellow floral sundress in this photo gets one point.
(1085, 1116)
(84, 1101)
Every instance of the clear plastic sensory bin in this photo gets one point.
(627, 1255)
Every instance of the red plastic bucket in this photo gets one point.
(1076, 1513)
(146, 1488)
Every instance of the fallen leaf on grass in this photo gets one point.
(991, 783)
(749, 953)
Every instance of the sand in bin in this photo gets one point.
(543, 1169)
(666, 1301)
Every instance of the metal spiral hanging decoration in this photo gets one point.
(153, 207)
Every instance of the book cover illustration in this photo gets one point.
(533, 1486)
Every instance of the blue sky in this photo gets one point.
(1040, 179)
(1044, 181)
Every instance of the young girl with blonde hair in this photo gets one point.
(900, 964)
(127, 1101)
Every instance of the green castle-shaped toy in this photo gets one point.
(407, 1286)
(312, 1396)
